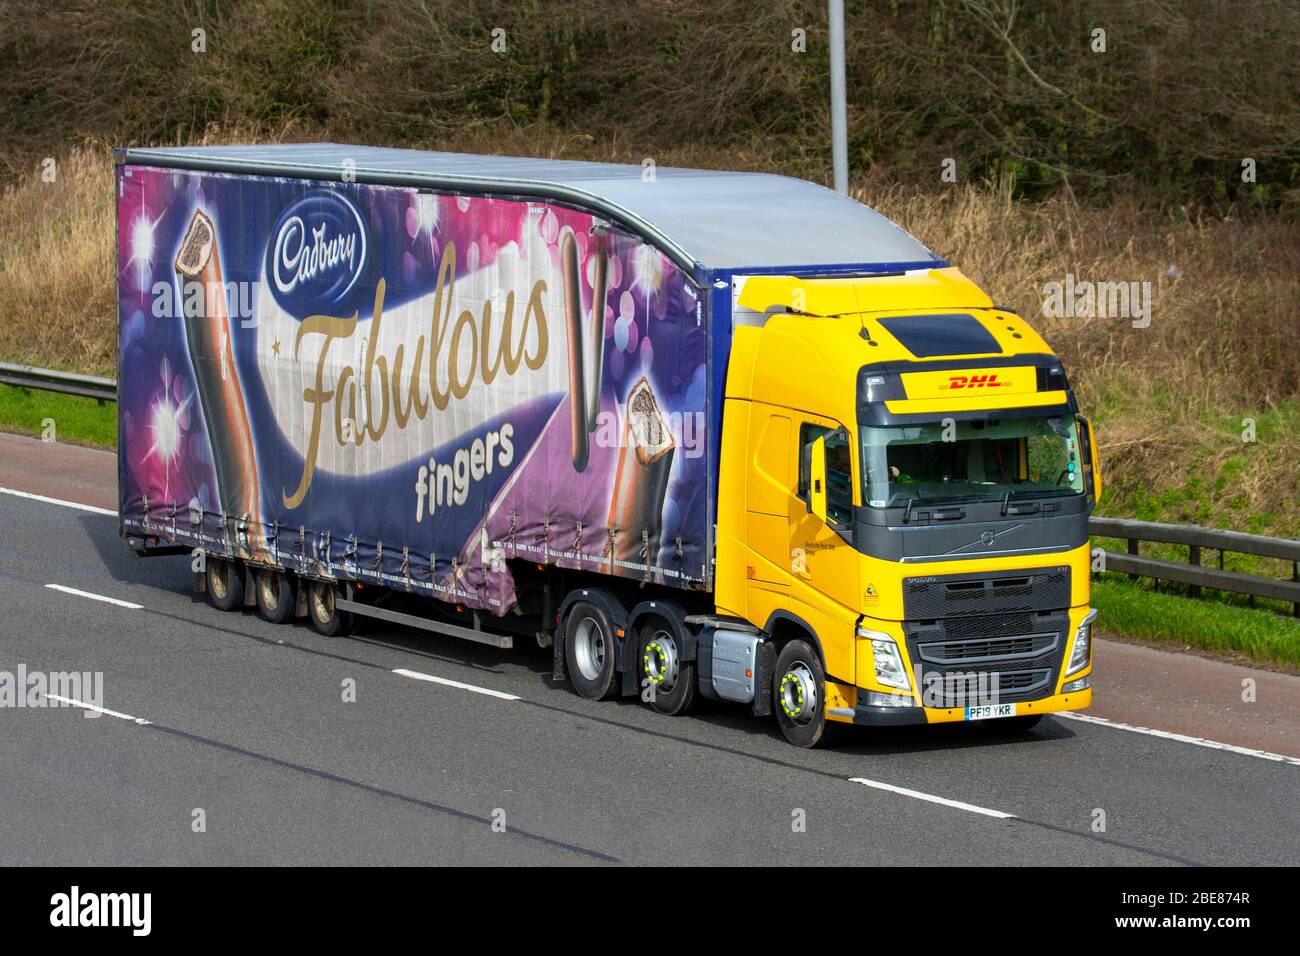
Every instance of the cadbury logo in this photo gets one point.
(319, 253)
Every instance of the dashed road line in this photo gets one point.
(446, 682)
(94, 597)
(100, 710)
(58, 501)
(931, 798)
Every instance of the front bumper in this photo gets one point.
(898, 716)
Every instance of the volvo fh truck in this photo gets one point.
(704, 434)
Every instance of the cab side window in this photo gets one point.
(808, 433)
(839, 479)
(839, 471)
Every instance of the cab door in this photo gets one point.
(825, 585)
(769, 485)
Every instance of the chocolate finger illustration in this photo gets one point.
(586, 348)
(208, 334)
(597, 330)
(641, 482)
(577, 353)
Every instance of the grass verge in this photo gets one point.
(81, 421)
(1138, 610)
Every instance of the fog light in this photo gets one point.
(874, 698)
(1083, 683)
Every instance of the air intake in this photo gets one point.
(928, 336)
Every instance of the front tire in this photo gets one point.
(277, 596)
(225, 583)
(590, 652)
(799, 695)
(667, 682)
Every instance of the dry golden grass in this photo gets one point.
(1170, 399)
(57, 295)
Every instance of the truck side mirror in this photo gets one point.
(817, 479)
(1085, 429)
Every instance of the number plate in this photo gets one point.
(990, 710)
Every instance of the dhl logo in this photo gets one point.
(976, 381)
(943, 383)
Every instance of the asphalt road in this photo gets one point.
(247, 722)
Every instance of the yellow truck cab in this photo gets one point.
(905, 481)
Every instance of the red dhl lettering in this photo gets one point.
(975, 381)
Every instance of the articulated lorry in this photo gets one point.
(705, 434)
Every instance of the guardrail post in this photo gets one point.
(1194, 556)
(1133, 550)
(1295, 576)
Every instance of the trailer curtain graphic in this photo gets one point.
(386, 384)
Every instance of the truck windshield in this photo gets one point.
(971, 461)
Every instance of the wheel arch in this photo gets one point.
(785, 626)
(672, 612)
(616, 611)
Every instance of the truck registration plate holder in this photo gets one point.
(989, 711)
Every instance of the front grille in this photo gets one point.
(965, 630)
(1010, 592)
(1002, 648)
(957, 657)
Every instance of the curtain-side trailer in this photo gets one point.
(713, 434)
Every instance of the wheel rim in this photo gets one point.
(660, 661)
(322, 603)
(220, 580)
(798, 693)
(589, 648)
(270, 588)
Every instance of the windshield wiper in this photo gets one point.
(907, 512)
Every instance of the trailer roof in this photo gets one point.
(718, 220)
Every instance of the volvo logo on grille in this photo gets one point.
(987, 538)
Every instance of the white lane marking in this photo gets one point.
(58, 501)
(100, 710)
(931, 798)
(93, 597)
(1182, 738)
(416, 675)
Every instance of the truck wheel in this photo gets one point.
(225, 580)
(590, 651)
(323, 613)
(661, 667)
(799, 692)
(277, 595)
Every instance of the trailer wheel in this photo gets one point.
(225, 581)
(667, 682)
(277, 595)
(323, 613)
(799, 695)
(591, 652)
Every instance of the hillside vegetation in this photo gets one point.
(1115, 166)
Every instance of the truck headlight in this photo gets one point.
(889, 662)
(1082, 652)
